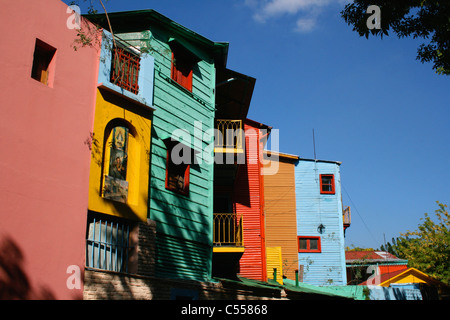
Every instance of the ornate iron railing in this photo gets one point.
(125, 69)
(228, 135)
(228, 230)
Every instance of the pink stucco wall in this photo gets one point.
(44, 160)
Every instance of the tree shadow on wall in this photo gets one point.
(14, 282)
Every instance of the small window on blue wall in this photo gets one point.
(327, 184)
(309, 244)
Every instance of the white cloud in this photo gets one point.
(276, 7)
(306, 10)
(304, 25)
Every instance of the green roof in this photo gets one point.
(138, 20)
(333, 292)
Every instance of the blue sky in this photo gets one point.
(372, 105)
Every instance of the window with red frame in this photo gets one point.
(125, 69)
(327, 184)
(181, 71)
(309, 244)
(177, 175)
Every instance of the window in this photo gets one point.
(108, 243)
(177, 175)
(43, 61)
(327, 184)
(309, 244)
(116, 159)
(181, 71)
(125, 69)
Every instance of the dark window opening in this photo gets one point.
(42, 61)
(309, 244)
(182, 69)
(177, 175)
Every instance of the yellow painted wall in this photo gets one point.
(274, 261)
(112, 107)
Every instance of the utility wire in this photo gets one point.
(356, 209)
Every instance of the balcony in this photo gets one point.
(347, 217)
(228, 233)
(229, 136)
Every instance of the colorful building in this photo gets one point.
(47, 101)
(361, 265)
(194, 101)
(147, 179)
(406, 284)
(181, 92)
(233, 95)
(120, 168)
(305, 220)
(281, 215)
(320, 223)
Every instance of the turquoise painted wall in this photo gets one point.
(313, 209)
(184, 223)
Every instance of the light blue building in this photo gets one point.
(320, 226)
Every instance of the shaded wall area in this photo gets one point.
(15, 282)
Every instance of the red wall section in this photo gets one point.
(248, 199)
(391, 268)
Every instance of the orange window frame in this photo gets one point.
(308, 244)
(181, 71)
(327, 186)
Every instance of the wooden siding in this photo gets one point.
(313, 209)
(280, 213)
(248, 199)
(184, 223)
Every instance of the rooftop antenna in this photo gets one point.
(321, 227)
(314, 145)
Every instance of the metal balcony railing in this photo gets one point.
(228, 136)
(228, 230)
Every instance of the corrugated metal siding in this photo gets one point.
(184, 223)
(177, 258)
(247, 199)
(274, 260)
(313, 208)
(280, 214)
